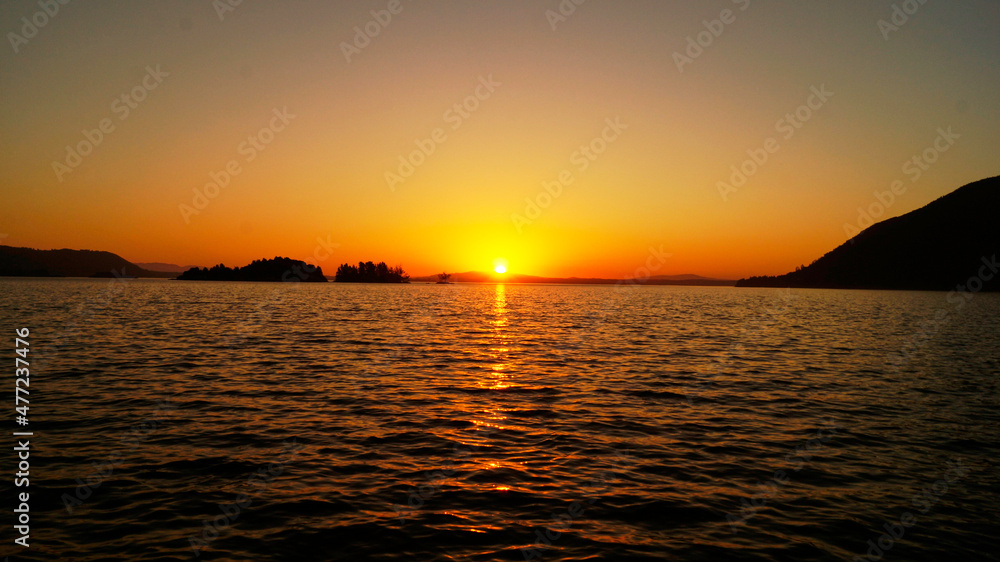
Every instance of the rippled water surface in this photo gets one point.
(424, 422)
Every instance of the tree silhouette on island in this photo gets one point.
(278, 269)
(369, 272)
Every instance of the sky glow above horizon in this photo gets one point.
(740, 137)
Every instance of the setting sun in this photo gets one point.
(500, 266)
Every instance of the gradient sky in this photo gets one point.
(323, 175)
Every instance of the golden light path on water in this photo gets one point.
(456, 421)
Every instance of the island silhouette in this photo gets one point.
(370, 272)
(278, 269)
(938, 247)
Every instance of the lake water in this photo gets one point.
(479, 422)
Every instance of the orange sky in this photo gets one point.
(534, 96)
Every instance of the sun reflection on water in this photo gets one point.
(499, 349)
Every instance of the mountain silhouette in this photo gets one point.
(939, 247)
(165, 267)
(29, 262)
(274, 270)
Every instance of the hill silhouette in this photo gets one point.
(935, 248)
(274, 270)
(165, 267)
(29, 262)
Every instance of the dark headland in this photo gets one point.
(939, 247)
(29, 262)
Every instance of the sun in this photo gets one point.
(500, 266)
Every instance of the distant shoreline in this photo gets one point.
(532, 283)
(630, 283)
